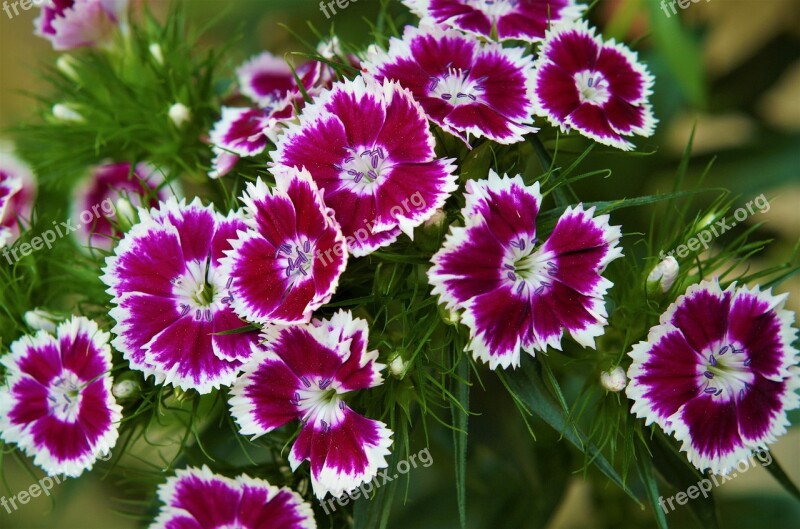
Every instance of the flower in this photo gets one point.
(17, 194)
(288, 262)
(464, 86)
(106, 185)
(70, 24)
(719, 372)
(595, 87)
(304, 372)
(270, 82)
(502, 19)
(198, 498)
(369, 148)
(57, 404)
(171, 310)
(515, 292)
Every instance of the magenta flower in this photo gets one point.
(70, 24)
(269, 81)
(596, 88)
(172, 309)
(502, 19)
(17, 194)
(515, 291)
(304, 373)
(465, 86)
(56, 404)
(288, 262)
(96, 198)
(369, 148)
(719, 372)
(196, 498)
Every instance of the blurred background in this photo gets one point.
(732, 67)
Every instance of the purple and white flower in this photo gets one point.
(464, 85)
(597, 88)
(172, 307)
(269, 81)
(304, 373)
(56, 404)
(516, 291)
(287, 263)
(142, 186)
(501, 19)
(17, 194)
(70, 24)
(196, 498)
(719, 372)
(369, 148)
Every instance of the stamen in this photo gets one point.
(512, 276)
(305, 382)
(723, 350)
(712, 360)
(708, 374)
(709, 390)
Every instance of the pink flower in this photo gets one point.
(70, 24)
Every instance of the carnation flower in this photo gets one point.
(196, 498)
(56, 404)
(465, 86)
(17, 193)
(304, 373)
(594, 87)
(719, 372)
(502, 19)
(70, 24)
(172, 311)
(93, 206)
(516, 291)
(368, 146)
(288, 263)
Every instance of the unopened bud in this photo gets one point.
(614, 379)
(66, 65)
(437, 220)
(66, 114)
(125, 389)
(663, 276)
(42, 320)
(397, 367)
(125, 213)
(180, 114)
(155, 51)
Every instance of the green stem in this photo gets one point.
(547, 163)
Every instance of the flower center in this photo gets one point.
(64, 397)
(495, 8)
(319, 401)
(592, 87)
(727, 373)
(198, 292)
(298, 259)
(528, 268)
(363, 165)
(456, 87)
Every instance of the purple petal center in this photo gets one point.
(456, 87)
(64, 396)
(364, 164)
(726, 372)
(529, 269)
(593, 87)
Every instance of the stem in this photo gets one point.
(547, 163)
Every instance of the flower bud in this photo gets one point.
(125, 213)
(436, 221)
(180, 114)
(66, 114)
(614, 379)
(66, 65)
(125, 389)
(662, 277)
(42, 320)
(397, 367)
(155, 51)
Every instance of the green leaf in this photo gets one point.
(679, 473)
(680, 51)
(528, 389)
(460, 420)
(781, 477)
(645, 467)
(373, 513)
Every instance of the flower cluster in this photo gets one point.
(237, 295)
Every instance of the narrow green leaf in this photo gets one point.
(645, 467)
(460, 420)
(530, 391)
(781, 477)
